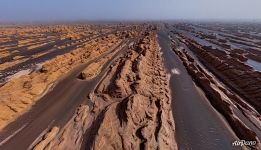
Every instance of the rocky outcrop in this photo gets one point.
(19, 94)
(231, 70)
(130, 108)
(219, 97)
(133, 103)
(71, 135)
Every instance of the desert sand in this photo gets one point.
(116, 86)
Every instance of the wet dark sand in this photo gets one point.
(54, 109)
(198, 125)
(29, 63)
(28, 53)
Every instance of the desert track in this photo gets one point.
(198, 124)
(144, 86)
(44, 53)
(50, 111)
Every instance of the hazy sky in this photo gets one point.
(59, 10)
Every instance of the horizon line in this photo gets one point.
(127, 20)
